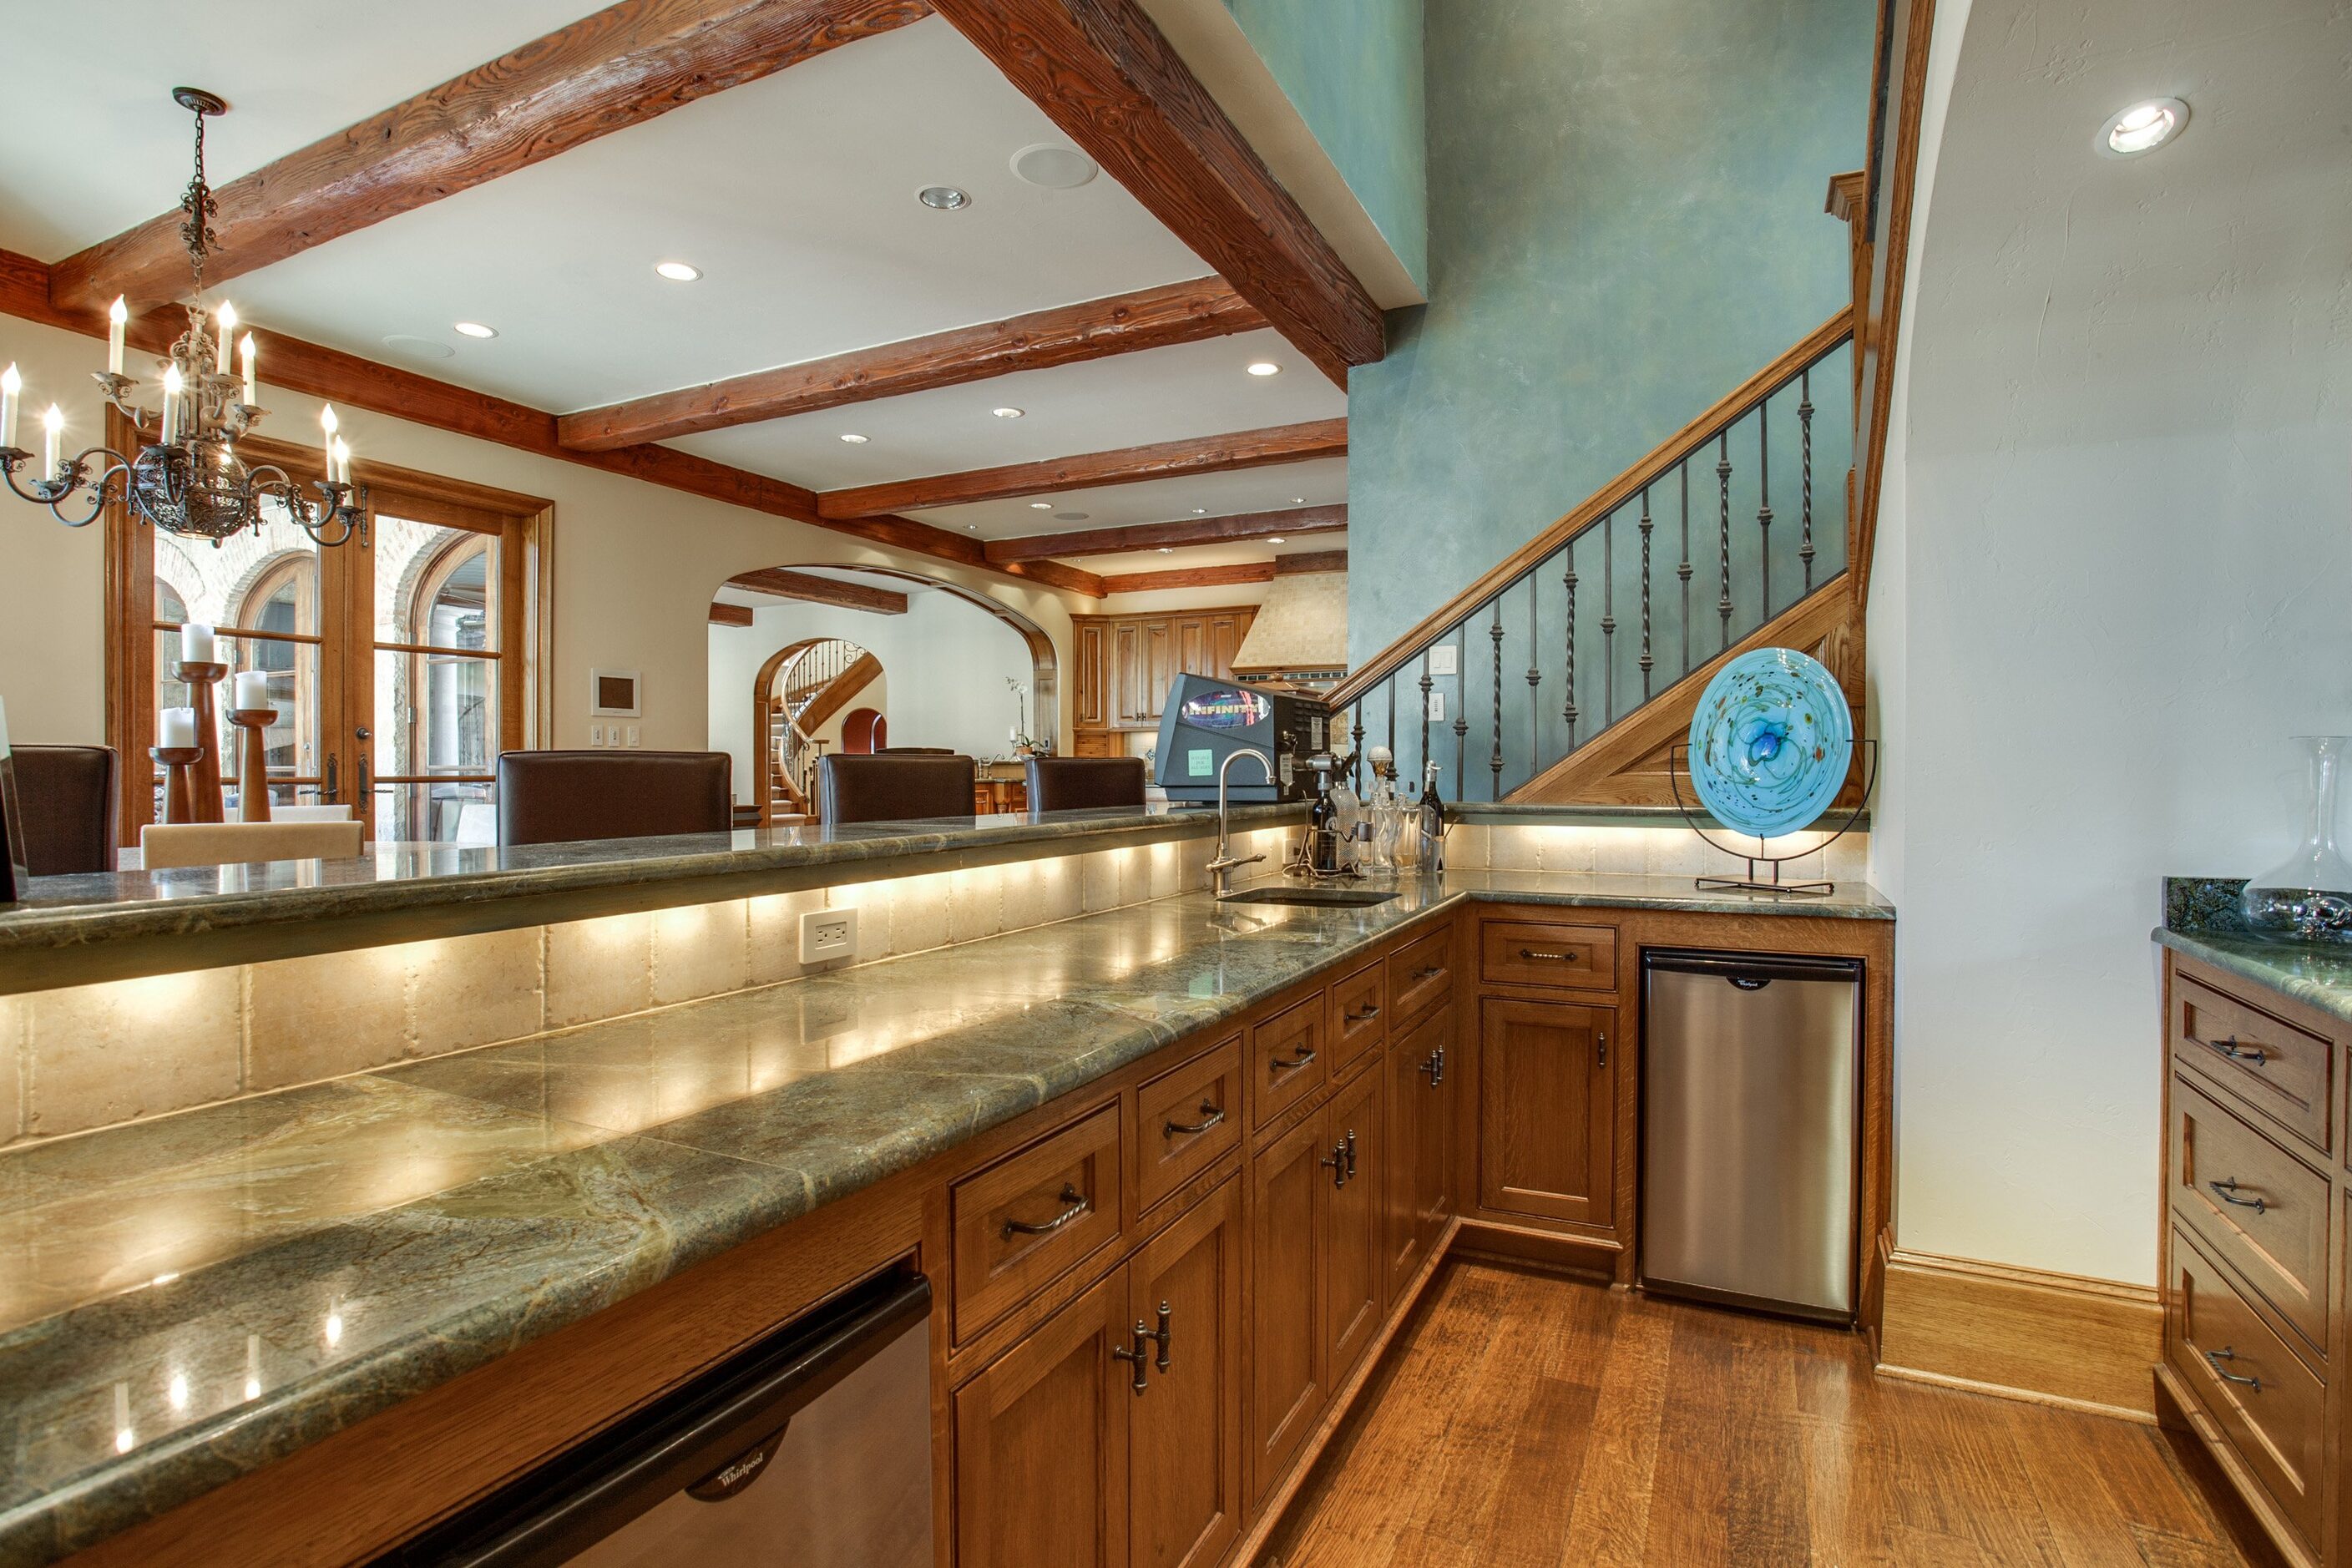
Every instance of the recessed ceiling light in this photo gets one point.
(1053, 166)
(2142, 128)
(1264, 367)
(1167, 549)
(1008, 413)
(943, 198)
(1200, 512)
(853, 438)
(1298, 500)
(1276, 540)
(476, 330)
(1072, 516)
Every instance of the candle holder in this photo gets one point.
(179, 788)
(204, 779)
(252, 762)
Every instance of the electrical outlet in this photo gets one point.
(1436, 707)
(595, 734)
(633, 734)
(1441, 659)
(828, 934)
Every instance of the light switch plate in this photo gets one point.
(828, 934)
(1436, 706)
(1441, 659)
(633, 734)
(595, 734)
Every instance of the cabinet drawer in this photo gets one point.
(2281, 1070)
(1359, 1018)
(1032, 1216)
(1420, 973)
(2262, 1209)
(1185, 1120)
(2275, 1422)
(1286, 1060)
(1533, 952)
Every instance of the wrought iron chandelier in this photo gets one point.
(188, 480)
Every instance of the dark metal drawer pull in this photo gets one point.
(1366, 1016)
(1285, 1063)
(1211, 1114)
(1557, 957)
(1076, 1207)
(1432, 973)
(2228, 1352)
(2252, 1056)
(2226, 1192)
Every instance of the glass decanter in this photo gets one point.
(2308, 897)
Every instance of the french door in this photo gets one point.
(400, 663)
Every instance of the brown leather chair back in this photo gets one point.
(1085, 783)
(561, 797)
(915, 751)
(893, 788)
(68, 800)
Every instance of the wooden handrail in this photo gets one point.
(1733, 406)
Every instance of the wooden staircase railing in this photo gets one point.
(812, 686)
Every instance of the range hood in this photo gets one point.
(1300, 631)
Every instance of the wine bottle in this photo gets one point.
(1431, 823)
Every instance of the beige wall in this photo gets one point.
(635, 563)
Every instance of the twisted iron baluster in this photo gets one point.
(1421, 761)
(1495, 635)
(1568, 708)
(1684, 571)
(1357, 733)
(1535, 679)
(1647, 661)
(1392, 685)
(1608, 620)
(1462, 711)
(1723, 483)
(1764, 499)
(1805, 434)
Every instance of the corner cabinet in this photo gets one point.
(1125, 664)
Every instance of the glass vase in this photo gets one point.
(2308, 897)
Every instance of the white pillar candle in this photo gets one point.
(246, 352)
(175, 727)
(329, 423)
(117, 314)
(53, 429)
(252, 688)
(227, 330)
(196, 643)
(10, 383)
(341, 473)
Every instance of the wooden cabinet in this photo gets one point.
(1420, 1155)
(1547, 1109)
(1355, 1260)
(1184, 1428)
(1288, 1215)
(1125, 663)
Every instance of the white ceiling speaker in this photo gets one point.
(1053, 166)
(414, 347)
(943, 198)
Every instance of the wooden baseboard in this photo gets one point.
(1591, 1260)
(2021, 1333)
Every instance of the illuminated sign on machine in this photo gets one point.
(1226, 707)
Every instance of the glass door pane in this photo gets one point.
(437, 682)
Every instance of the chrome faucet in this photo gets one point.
(1225, 862)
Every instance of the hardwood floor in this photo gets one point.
(1531, 1421)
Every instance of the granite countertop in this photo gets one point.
(2202, 920)
(183, 1300)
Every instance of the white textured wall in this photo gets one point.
(2118, 575)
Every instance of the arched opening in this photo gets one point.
(947, 666)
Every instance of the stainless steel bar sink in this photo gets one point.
(1330, 898)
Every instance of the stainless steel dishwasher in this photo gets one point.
(1750, 1081)
(811, 1449)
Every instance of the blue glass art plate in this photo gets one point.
(1770, 742)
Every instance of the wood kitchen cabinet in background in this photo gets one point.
(1126, 664)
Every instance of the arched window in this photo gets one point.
(282, 603)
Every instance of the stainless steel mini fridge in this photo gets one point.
(1750, 1083)
(812, 1449)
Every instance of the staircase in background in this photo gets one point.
(1566, 673)
(811, 688)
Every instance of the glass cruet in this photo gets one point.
(2308, 896)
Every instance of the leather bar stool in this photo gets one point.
(71, 803)
(563, 797)
(893, 788)
(916, 751)
(1085, 783)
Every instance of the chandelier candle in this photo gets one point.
(117, 316)
(10, 383)
(246, 354)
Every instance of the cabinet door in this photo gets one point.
(1192, 653)
(1091, 705)
(1184, 1452)
(1433, 1159)
(1225, 633)
(1355, 1277)
(1420, 1116)
(1159, 667)
(1127, 674)
(1041, 1441)
(1287, 1214)
(1546, 1120)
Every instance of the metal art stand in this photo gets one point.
(1677, 758)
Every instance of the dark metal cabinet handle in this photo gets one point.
(2228, 1192)
(1161, 1336)
(2227, 1353)
(1136, 1354)
(1535, 952)
(1211, 1114)
(1075, 1207)
(2252, 1056)
(333, 786)
(1435, 1067)
(1366, 1016)
(1337, 1160)
(1351, 1146)
(1600, 1044)
(1286, 1064)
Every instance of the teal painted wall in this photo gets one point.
(1353, 71)
(1625, 222)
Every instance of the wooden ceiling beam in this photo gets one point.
(729, 615)
(1310, 560)
(1101, 70)
(309, 370)
(783, 583)
(1166, 460)
(1190, 577)
(1185, 312)
(1170, 535)
(623, 66)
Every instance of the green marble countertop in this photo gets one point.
(2317, 975)
(185, 1299)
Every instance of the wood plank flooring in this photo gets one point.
(1531, 1421)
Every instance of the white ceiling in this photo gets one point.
(1322, 482)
